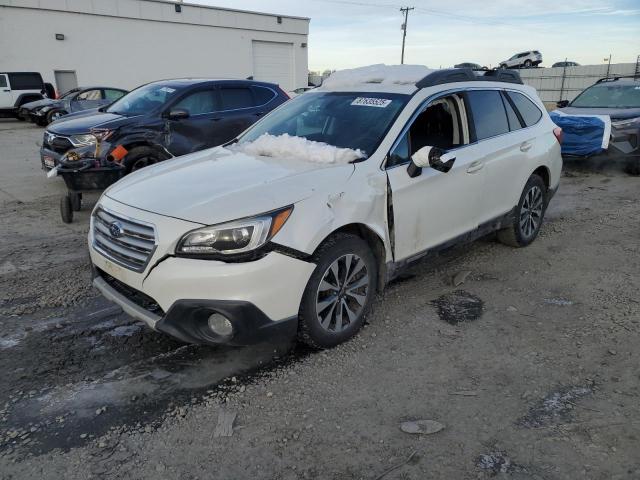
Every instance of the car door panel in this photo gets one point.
(238, 112)
(85, 100)
(6, 97)
(198, 131)
(435, 207)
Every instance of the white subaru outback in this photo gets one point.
(293, 226)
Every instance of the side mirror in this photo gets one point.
(433, 157)
(178, 114)
(563, 103)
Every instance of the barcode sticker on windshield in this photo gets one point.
(371, 102)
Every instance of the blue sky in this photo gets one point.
(350, 33)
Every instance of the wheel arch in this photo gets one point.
(373, 240)
(544, 173)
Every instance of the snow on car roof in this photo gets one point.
(401, 78)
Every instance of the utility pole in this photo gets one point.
(404, 10)
(608, 66)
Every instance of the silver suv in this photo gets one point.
(531, 58)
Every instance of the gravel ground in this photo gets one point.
(531, 364)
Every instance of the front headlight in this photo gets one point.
(82, 140)
(231, 238)
(629, 122)
(90, 138)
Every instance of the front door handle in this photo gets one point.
(525, 146)
(258, 114)
(475, 166)
(216, 119)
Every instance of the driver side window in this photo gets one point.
(441, 124)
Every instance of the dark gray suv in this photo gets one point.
(619, 98)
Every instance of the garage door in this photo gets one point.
(273, 62)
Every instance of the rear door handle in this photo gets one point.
(525, 146)
(216, 119)
(258, 114)
(475, 166)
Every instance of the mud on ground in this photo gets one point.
(539, 380)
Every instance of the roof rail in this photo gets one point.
(453, 75)
(617, 77)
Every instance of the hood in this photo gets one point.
(614, 113)
(39, 103)
(85, 121)
(217, 185)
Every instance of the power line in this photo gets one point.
(404, 10)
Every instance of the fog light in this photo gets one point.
(220, 325)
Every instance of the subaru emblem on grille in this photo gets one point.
(116, 229)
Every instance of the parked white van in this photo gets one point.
(294, 226)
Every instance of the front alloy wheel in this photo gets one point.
(339, 292)
(342, 293)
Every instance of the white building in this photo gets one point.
(125, 43)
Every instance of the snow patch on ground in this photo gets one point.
(286, 146)
(380, 73)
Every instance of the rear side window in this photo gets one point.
(3, 81)
(489, 116)
(25, 81)
(263, 95)
(528, 110)
(197, 103)
(234, 98)
(113, 94)
(512, 116)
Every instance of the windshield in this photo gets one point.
(143, 99)
(609, 95)
(345, 120)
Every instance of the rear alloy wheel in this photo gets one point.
(528, 215)
(339, 293)
(527, 64)
(54, 115)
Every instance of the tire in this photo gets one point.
(633, 166)
(54, 115)
(76, 201)
(529, 215)
(337, 254)
(66, 210)
(140, 157)
(527, 64)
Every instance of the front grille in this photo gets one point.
(136, 296)
(129, 243)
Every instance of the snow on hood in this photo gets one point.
(286, 146)
(218, 185)
(380, 73)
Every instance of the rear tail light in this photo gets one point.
(557, 132)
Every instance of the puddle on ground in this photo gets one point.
(458, 307)
(555, 407)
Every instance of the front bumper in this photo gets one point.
(49, 158)
(186, 320)
(176, 295)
